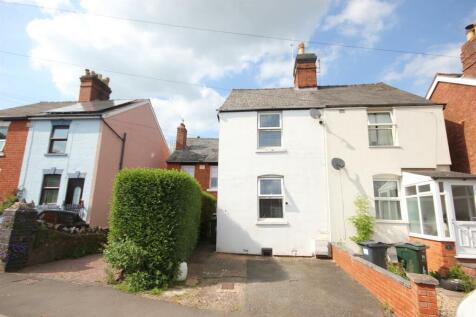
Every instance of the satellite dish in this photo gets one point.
(338, 163)
(315, 113)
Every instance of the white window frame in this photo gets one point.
(212, 168)
(436, 209)
(398, 198)
(271, 196)
(184, 168)
(279, 128)
(386, 126)
(6, 125)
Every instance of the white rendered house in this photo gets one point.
(279, 191)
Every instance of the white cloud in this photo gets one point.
(363, 18)
(420, 69)
(170, 53)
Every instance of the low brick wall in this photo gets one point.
(406, 298)
(440, 255)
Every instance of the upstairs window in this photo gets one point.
(213, 177)
(50, 189)
(269, 130)
(189, 169)
(381, 128)
(387, 202)
(270, 197)
(3, 137)
(58, 139)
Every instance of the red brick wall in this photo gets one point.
(202, 174)
(11, 161)
(404, 300)
(460, 118)
(440, 255)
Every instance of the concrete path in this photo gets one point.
(21, 296)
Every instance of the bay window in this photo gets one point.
(463, 200)
(269, 130)
(270, 197)
(381, 128)
(421, 210)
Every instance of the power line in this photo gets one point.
(212, 30)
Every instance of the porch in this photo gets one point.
(441, 210)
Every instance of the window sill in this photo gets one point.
(265, 222)
(396, 222)
(2, 154)
(212, 190)
(271, 150)
(434, 238)
(56, 154)
(385, 147)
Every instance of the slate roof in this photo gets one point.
(199, 150)
(372, 95)
(444, 174)
(70, 108)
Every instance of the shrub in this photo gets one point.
(397, 268)
(457, 272)
(209, 206)
(154, 225)
(7, 202)
(363, 222)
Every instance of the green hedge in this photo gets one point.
(209, 206)
(154, 224)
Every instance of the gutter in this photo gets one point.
(123, 142)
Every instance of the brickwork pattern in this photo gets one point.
(12, 157)
(440, 255)
(405, 298)
(460, 119)
(202, 174)
(468, 58)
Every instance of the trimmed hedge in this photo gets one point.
(154, 224)
(209, 207)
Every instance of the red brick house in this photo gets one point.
(458, 93)
(197, 157)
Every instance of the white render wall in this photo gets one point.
(80, 157)
(303, 167)
(422, 143)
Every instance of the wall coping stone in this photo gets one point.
(422, 279)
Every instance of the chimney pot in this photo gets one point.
(301, 48)
(93, 87)
(470, 31)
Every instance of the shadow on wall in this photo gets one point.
(390, 233)
(457, 145)
(347, 143)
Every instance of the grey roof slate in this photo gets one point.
(74, 108)
(198, 150)
(373, 95)
(444, 174)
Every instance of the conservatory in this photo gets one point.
(441, 206)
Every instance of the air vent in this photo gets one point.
(267, 252)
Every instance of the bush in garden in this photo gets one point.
(209, 206)
(154, 225)
(7, 202)
(363, 221)
(457, 272)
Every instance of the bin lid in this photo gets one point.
(374, 244)
(412, 246)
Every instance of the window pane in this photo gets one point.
(411, 190)
(380, 117)
(190, 170)
(445, 216)
(441, 187)
(58, 147)
(269, 138)
(52, 181)
(385, 189)
(60, 132)
(270, 187)
(388, 210)
(214, 177)
(428, 215)
(49, 196)
(413, 216)
(424, 188)
(380, 137)
(269, 120)
(271, 208)
(214, 182)
(2, 145)
(3, 133)
(463, 200)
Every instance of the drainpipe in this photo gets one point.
(123, 142)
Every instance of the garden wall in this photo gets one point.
(440, 255)
(406, 298)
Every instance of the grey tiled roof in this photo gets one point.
(62, 108)
(373, 95)
(198, 150)
(444, 174)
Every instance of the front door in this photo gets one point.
(74, 193)
(465, 220)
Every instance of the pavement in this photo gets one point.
(236, 285)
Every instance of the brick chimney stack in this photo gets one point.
(305, 75)
(93, 87)
(181, 139)
(468, 52)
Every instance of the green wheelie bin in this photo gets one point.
(412, 256)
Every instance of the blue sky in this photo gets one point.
(209, 62)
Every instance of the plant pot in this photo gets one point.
(452, 284)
